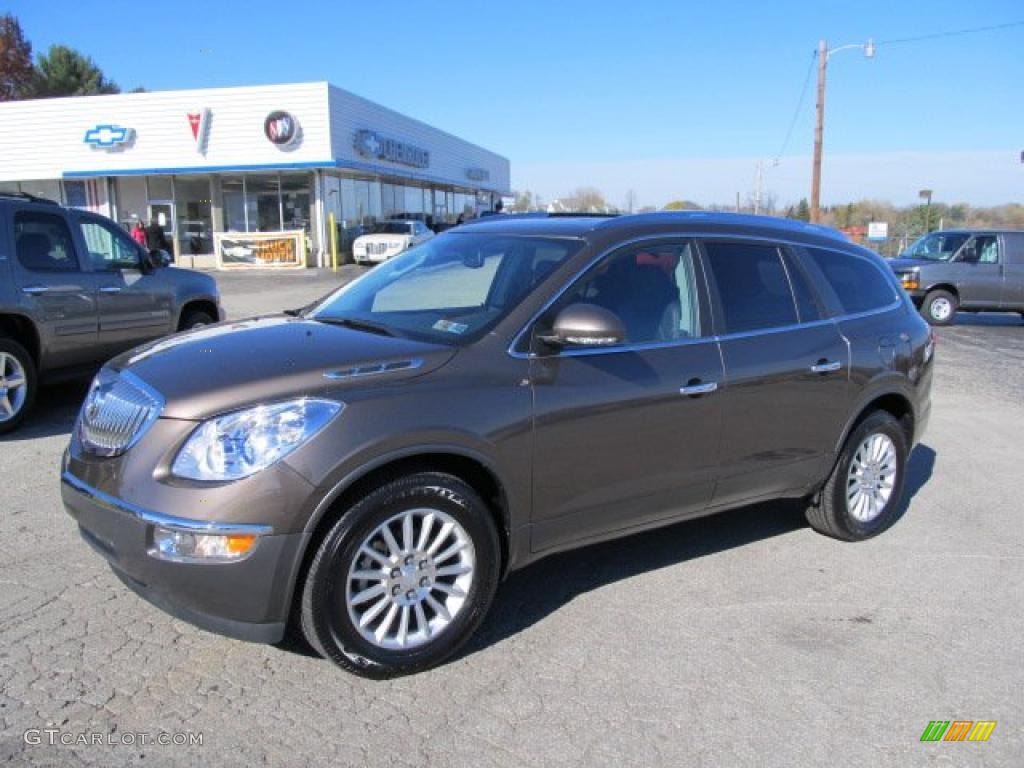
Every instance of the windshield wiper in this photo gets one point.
(357, 325)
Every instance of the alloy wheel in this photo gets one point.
(13, 386)
(410, 579)
(871, 477)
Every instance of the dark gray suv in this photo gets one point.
(369, 468)
(76, 290)
(959, 269)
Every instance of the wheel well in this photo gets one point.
(470, 471)
(898, 406)
(944, 287)
(22, 331)
(199, 305)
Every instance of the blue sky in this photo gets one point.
(670, 99)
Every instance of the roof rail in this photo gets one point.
(30, 198)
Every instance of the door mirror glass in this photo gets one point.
(585, 325)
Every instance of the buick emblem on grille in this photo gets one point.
(118, 410)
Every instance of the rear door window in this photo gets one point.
(752, 285)
(42, 242)
(858, 284)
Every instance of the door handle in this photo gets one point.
(110, 289)
(696, 387)
(823, 366)
(34, 290)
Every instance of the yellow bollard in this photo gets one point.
(334, 241)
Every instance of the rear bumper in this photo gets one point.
(246, 599)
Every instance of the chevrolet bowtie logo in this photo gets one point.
(368, 144)
(106, 136)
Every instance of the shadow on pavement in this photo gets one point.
(987, 318)
(528, 596)
(54, 411)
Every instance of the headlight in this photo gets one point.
(242, 443)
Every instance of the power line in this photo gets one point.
(952, 33)
(799, 105)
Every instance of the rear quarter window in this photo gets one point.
(859, 285)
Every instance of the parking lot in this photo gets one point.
(743, 638)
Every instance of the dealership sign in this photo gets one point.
(878, 230)
(199, 122)
(109, 137)
(370, 144)
(281, 128)
(478, 174)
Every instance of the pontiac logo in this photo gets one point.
(199, 122)
(369, 144)
(281, 128)
(109, 136)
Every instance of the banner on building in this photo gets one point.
(260, 250)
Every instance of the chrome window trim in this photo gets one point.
(158, 518)
(716, 338)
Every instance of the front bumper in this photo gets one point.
(247, 599)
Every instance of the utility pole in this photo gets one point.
(819, 132)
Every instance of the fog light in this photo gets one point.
(185, 545)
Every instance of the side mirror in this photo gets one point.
(585, 325)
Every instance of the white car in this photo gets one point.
(388, 239)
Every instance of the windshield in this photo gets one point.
(391, 228)
(936, 246)
(452, 289)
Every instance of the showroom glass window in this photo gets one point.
(858, 284)
(267, 202)
(753, 287)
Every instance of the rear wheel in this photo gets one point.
(404, 578)
(939, 307)
(862, 496)
(17, 384)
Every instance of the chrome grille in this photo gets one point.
(117, 412)
(376, 249)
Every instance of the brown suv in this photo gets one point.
(372, 466)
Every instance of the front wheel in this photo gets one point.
(17, 384)
(862, 495)
(194, 319)
(403, 578)
(939, 307)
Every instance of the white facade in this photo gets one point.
(204, 160)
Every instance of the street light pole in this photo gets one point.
(819, 121)
(819, 132)
(926, 195)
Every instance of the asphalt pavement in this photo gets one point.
(739, 639)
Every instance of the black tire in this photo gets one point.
(194, 319)
(935, 302)
(325, 618)
(24, 360)
(829, 513)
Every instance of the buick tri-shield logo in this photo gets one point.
(281, 128)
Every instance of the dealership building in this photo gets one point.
(250, 176)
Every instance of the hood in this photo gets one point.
(227, 366)
(903, 265)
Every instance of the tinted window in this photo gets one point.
(109, 247)
(806, 304)
(858, 284)
(753, 289)
(43, 242)
(986, 249)
(650, 288)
